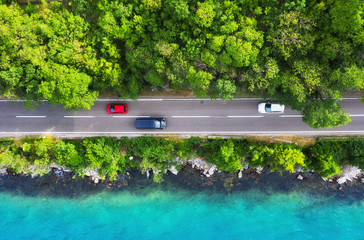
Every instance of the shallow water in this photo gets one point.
(152, 213)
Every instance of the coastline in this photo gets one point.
(70, 185)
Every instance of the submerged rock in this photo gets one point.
(299, 177)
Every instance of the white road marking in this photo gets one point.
(291, 116)
(244, 116)
(165, 99)
(356, 115)
(31, 116)
(79, 116)
(209, 99)
(190, 116)
(18, 100)
(131, 116)
(192, 133)
(129, 100)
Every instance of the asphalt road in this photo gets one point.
(185, 117)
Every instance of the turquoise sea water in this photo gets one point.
(158, 214)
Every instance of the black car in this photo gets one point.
(150, 123)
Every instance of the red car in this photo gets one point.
(114, 108)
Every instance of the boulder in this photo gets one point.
(299, 177)
(348, 174)
(173, 170)
(259, 169)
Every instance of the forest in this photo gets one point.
(112, 156)
(306, 54)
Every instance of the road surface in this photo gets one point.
(185, 117)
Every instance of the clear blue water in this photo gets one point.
(157, 214)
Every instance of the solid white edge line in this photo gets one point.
(356, 115)
(30, 116)
(79, 116)
(7, 100)
(212, 132)
(165, 99)
(291, 116)
(189, 116)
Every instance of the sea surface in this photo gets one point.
(155, 213)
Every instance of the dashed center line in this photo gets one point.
(31, 116)
(79, 116)
(128, 116)
(244, 116)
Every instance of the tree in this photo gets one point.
(205, 13)
(323, 161)
(325, 114)
(67, 86)
(46, 53)
(200, 81)
(292, 35)
(287, 158)
(222, 153)
(67, 154)
(346, 16)
(225, 88)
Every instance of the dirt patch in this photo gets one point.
(170, 93)
(300, 141)
(173, 93)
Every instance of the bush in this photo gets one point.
(222, 153)
(324, 158)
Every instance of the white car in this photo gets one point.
(269, 107)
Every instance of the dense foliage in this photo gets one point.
(111, 156)
(303, 53)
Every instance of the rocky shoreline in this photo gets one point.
(195, 175)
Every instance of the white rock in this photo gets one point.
(131, 158)
(62, 168)
(259, 169)
(173, 170)
(3, 170)
(200, 164)
(211, 170)
(148, 174)
(299, 177)
(35, 170)
(240, 174)
(93, 174)
(348, 174)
